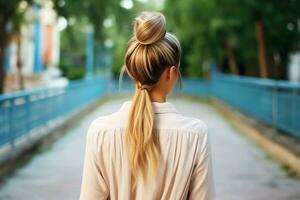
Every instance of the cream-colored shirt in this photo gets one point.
(185, 171)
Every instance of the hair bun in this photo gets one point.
(149, 27)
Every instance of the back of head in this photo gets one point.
(149, 52)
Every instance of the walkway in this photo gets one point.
(242, 171)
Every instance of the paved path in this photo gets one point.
(242, 171)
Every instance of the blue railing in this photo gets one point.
(196, 87)
(24, 111)
(276, 103)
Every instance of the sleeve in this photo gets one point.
(93, 186)
(202, 183)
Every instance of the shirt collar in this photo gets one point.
(165, 107)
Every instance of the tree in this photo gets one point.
(17, 21)
(8, 10)
(96, 13)
(91, 13)
(251, 36)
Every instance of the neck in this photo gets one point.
(157, 96)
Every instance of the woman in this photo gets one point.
(147, 150)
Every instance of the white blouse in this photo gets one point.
(185, 171)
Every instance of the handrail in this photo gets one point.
(273, 102)
(22, 112)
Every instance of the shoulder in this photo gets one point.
(193, 124)
(201, 132)
(106, 123)
(96, 127)
(97, 123)
(194, 127)
(177, 121)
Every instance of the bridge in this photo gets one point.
(242, 169)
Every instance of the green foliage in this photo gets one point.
(70, 70)
(207, 28)
(72, 59)
(75, 73)
(95, 12)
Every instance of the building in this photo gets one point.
(39, 49)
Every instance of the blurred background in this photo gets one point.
(60, 61)
(42, 40)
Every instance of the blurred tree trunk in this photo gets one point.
(284, 65)
(8, 10)
(231, 59)
(5, 15)
(19, 61)
(261, 49)
(3, 41)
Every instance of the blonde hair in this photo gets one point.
(149, 52)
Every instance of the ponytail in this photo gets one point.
(142, 142)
